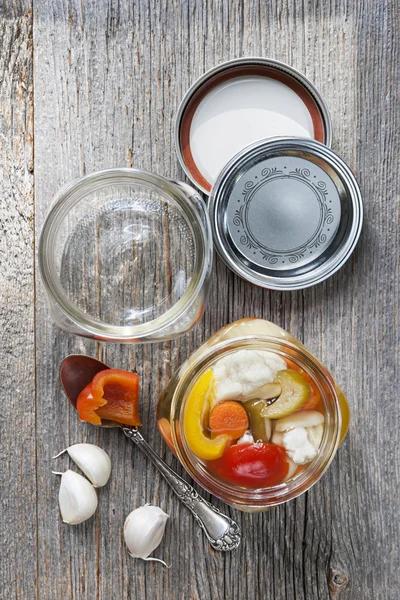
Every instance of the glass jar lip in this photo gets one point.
(263, 497)
(73, 192)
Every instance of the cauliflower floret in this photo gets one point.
(298, 446)
(242, 372)
(247, 438)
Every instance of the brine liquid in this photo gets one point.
(164, 411)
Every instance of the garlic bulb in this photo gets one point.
(143, 531)
(77, 498)
(92, 460)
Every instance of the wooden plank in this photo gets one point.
(17, 367)
(108, 80)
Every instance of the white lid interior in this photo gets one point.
(239, 112)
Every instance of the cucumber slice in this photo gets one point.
(295, 392)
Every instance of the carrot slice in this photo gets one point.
(229, 418)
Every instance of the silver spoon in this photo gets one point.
(76, 372)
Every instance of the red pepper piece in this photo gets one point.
(113, 394)
(251, 465)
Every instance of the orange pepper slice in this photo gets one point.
(87, 405)
(165, 430)
(113, 394)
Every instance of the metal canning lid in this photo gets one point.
(239, 102)
(286, 213)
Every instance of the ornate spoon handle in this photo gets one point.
(222, 533)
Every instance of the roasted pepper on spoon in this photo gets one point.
(113, 395)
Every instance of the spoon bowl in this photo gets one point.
(224, 534)
(76, 372)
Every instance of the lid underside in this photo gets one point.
(239, 103)
(237, 113)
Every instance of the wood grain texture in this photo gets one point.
(17, 363)
(108, 80)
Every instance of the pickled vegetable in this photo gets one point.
(265, 392)
(292, 469)
(113, 394)
(229, 418)
(197, 405)
(304, 418)
(260, 426)
(251, 465)
(165, 430)
(315, 435)
(277, 437)
(295, 393)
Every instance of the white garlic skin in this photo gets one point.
(144, 529)
(77, 498)
(93, 461)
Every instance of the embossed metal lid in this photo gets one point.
(286, 213)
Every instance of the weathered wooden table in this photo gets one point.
(91, 84)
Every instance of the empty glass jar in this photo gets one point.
(126, 256)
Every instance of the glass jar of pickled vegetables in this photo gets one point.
(253, 417)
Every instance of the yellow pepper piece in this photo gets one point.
(200, 444)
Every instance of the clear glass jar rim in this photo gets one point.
(261, 498)
(74, 192)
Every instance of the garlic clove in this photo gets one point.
(77, 498)
(268, 428)
(143, 531)
(292, 469)
(277, 437)
(265, 392)
(303, 418)
(315, 435)
(92, 460)
(247, 438)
